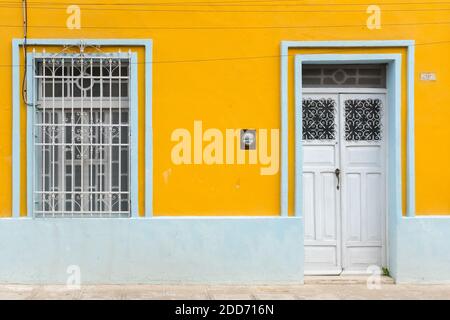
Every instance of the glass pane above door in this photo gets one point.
(344, 76)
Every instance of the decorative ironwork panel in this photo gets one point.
(319, 119)
(363, 119)
(82, 136)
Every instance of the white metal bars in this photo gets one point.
(82, 136)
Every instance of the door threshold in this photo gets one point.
(323, 272)
(344, 279)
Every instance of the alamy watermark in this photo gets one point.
(74, 19)
(213, 146)
(374, 19)
(374, 279)
(73, 281)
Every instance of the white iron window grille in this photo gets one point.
(82, 136)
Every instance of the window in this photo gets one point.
(82, 136)
(363, 119)
(343, 76)
(318, 119)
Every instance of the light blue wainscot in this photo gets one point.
(423, 250)
(152, 250)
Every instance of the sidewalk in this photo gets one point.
(312, 289)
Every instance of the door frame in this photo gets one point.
(393, 123)
(408, 46)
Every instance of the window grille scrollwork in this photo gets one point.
(363, 119)
(319, 119)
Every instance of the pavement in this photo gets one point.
(314, 288)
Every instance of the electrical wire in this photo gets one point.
(229, 3)
(226, 27)
(231, 11)
(25, 44)
(24, 47)
(237, 58)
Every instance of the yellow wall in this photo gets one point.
(230, 78)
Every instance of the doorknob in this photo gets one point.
(337, 172)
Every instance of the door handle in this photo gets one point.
(337, 172)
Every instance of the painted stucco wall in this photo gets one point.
(423, 250)
(223, 68)
(221, 250)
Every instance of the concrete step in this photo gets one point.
(344, 279)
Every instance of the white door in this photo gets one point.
(320, 195)
(343, 182)
(363, 136)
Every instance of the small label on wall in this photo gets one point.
(428, 76)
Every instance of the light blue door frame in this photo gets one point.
(393, 61)
(286, 46)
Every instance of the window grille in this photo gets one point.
(318, 119)
(363, 119)
(82, 136)
(343, 76)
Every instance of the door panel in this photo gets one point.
(328, 204)
(352, 184)
(374, 207)
(320, 155)
(320, 197)
(362, 154)
(309, 205)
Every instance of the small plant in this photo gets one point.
(385, 271)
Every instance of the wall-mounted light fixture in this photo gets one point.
(248, 139)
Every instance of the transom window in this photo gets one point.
(344, 75)
(82, 136)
